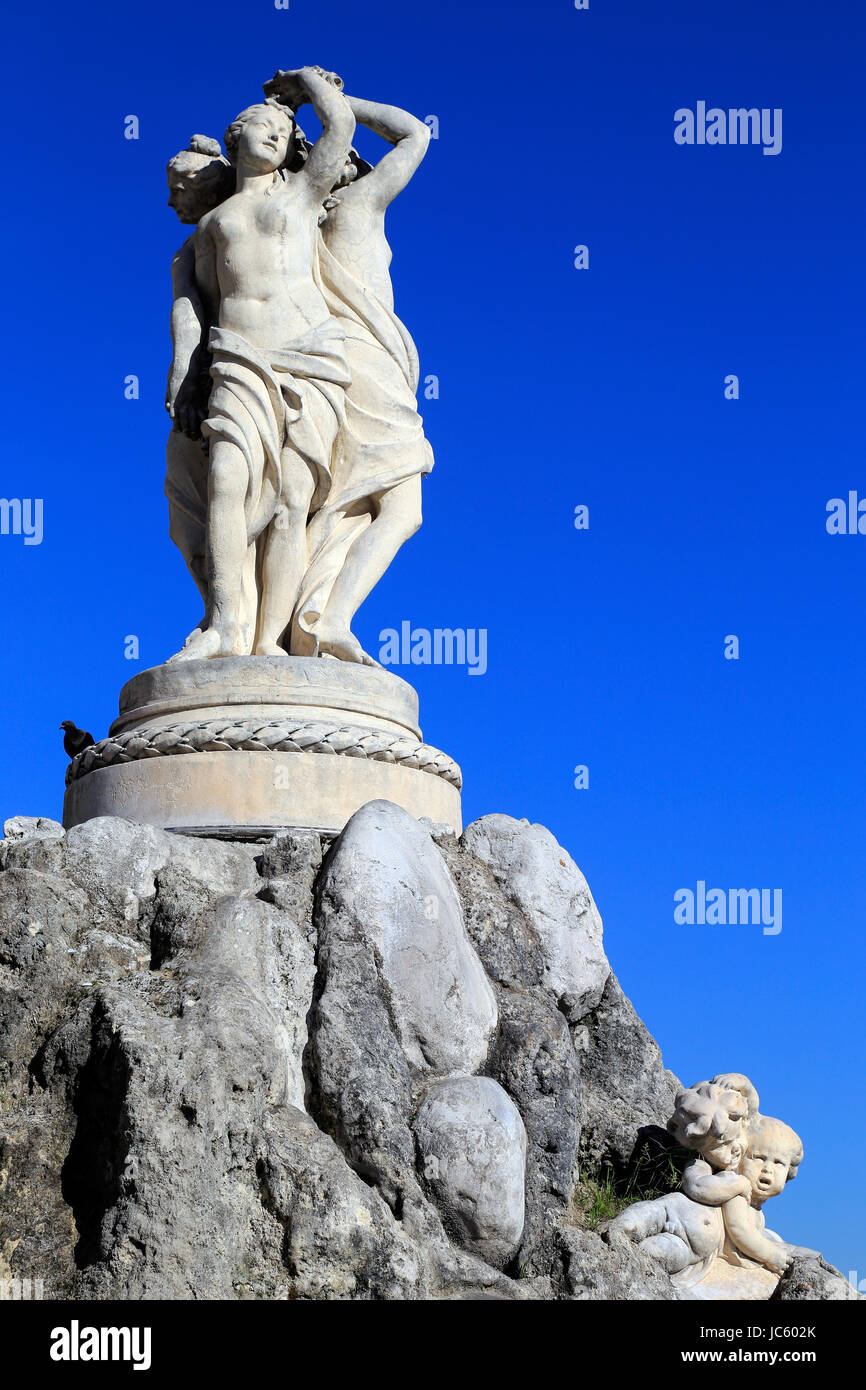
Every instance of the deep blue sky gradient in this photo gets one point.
(707, 517)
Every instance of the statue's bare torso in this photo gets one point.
(262, 245)
(354, 233)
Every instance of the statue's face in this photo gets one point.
(190, 191)
(718, 1152)
(349, 174)
(264, 141)
(184, 198)
(766, 1170)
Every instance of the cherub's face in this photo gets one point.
(264, 141)
(720, 1153)
(766, 1170)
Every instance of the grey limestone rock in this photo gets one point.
(543, 881)
(233, 1071)
(401, 996)
(592, 1269)
(385, 885)
(472, 1145)
(626, 1086)
(811, 1279)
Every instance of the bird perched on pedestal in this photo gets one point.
(75, 740)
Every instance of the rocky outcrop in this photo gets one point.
(370, 1070)
(814, 1281)
(627, 1088)
(472, 1146)
(552, 896)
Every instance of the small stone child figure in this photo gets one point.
(744, 1158)
(773, 1155)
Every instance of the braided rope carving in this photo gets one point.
(271, 736)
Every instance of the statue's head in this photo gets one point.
(711, 1118)
(199, 178)
(265, 138)
(354, 168)
(773, 1155)
(736, 1081)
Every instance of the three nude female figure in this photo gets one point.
(296, 456)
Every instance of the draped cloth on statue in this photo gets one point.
(186, 486)
(265, 401)
(381, 442)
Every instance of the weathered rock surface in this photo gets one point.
(401, 996)
(386, 887)
(595, 1270)
(544, 882)
(626, 1087)
(564, 1079)
(233, 1071)
(814, 1280)
(473, 1148)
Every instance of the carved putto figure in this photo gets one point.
(296, 454)
(711, 1234)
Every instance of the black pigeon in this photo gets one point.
(75, 740)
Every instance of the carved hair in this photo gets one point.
(202, 161)
(207, 170)
(709, 1111)
(725, 1110)
(296, 153)
(362, 165)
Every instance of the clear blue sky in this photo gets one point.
(558, 387)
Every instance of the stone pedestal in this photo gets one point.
(242, 746)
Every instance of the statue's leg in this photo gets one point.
(397, 519)
(186, 490)
(284, 556)
(671, 1251)
(226, 555)
(250, 600)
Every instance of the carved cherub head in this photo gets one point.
(199, 178)
(773, 1154)
(266, 138)
(355, 168)
(711, 1117)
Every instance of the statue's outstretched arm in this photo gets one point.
(410, 138)
(712, 1189)
(739, 1223)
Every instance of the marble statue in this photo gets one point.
(711, 1234)
(198, 179)
(293, 476)
(295, 459)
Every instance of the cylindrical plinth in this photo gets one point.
(241, 746)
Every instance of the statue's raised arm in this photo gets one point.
(327, 158)
(380, 453)
(410, 138)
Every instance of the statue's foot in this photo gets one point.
(266, 648)
(231, 641)
(339, 642)
(200, 644)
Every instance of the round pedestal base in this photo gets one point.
(243, 746)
